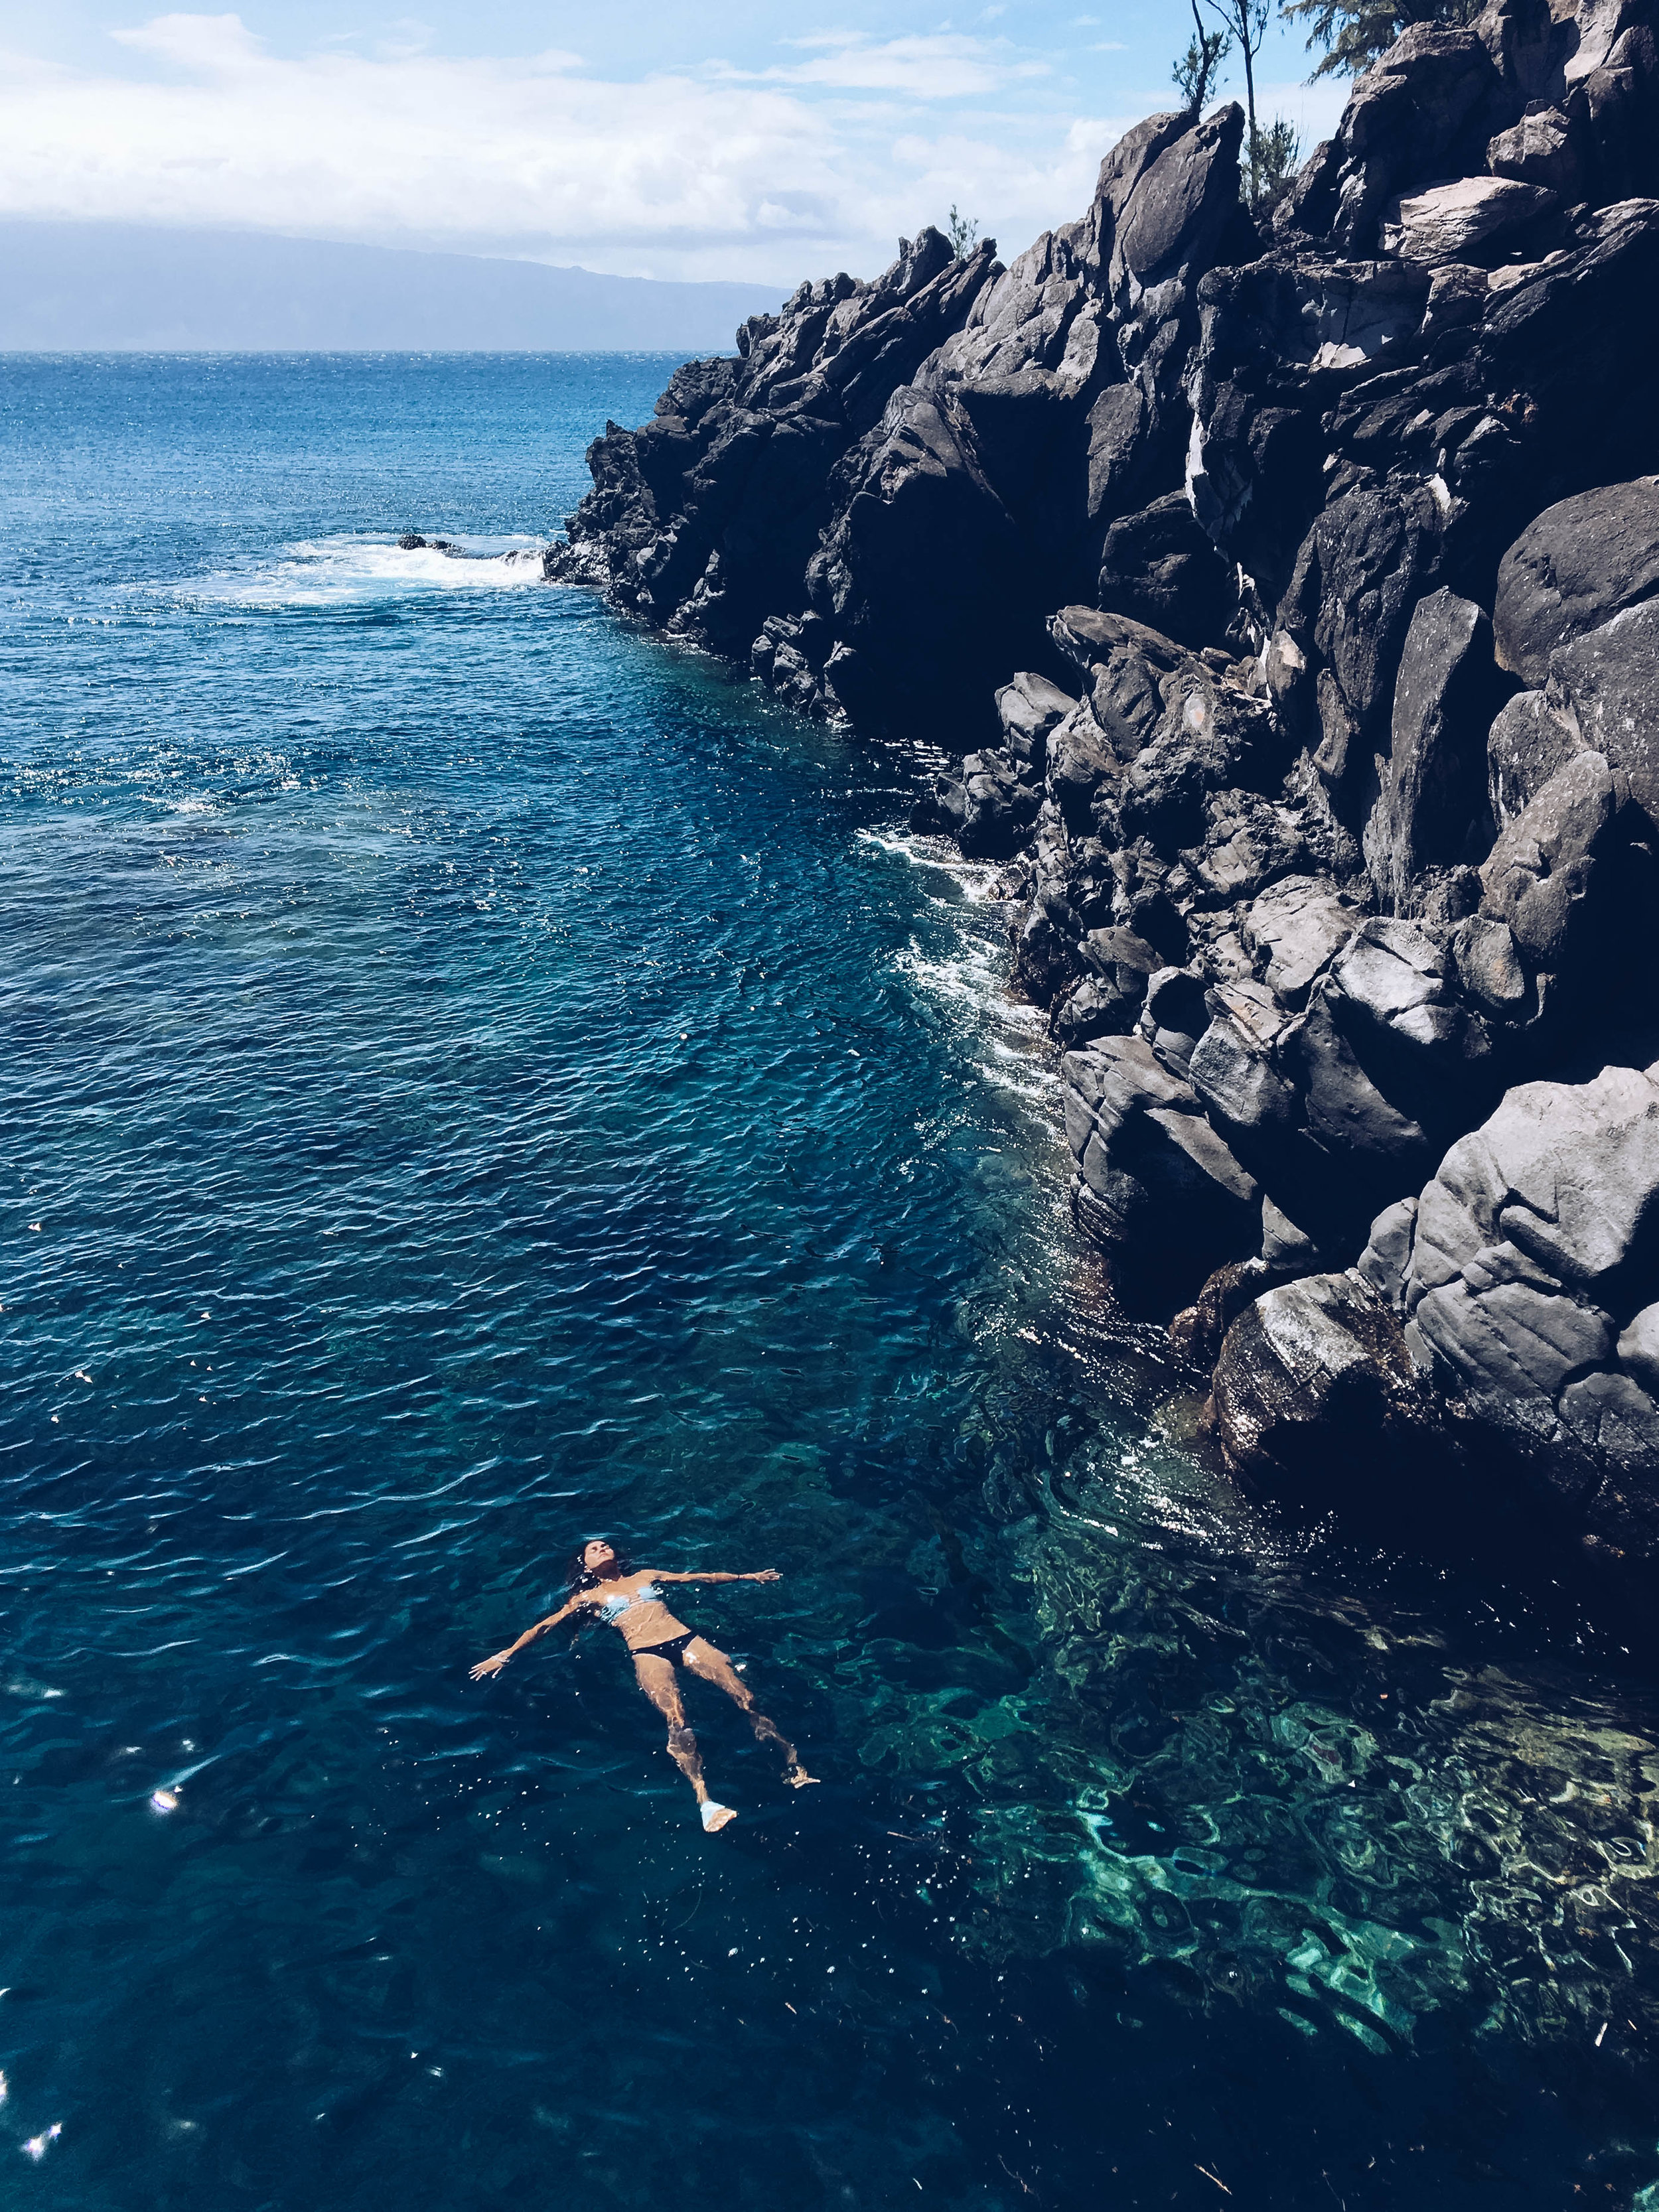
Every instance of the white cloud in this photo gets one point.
(820, 166)
(936, 67)
(221, 45)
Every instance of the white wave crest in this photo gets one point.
(976, 880)
(355, 568)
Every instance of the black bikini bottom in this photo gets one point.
(673, 1650)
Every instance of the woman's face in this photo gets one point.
(596, 1558)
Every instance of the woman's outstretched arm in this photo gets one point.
(494, 1664)
(766, 1575)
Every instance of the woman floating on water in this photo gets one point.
(630, 1599)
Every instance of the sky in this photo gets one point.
(753, 140)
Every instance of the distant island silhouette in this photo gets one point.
(128, 288)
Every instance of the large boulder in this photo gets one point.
(1030, 709)
(1399, 994)
(1582, 561)
(1527, 742)
(1458, 221)
(1528, 1278)
(1300, 924)
(1542, 148)
(1547, 877)
(1373, 552)
(1401, 127)
(1378, 1147)
(1606, 684)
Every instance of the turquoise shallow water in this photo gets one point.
(475, 1077)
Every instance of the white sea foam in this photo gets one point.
(355, 567)
(974, 879)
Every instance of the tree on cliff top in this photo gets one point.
(1195, 72)
(1356, 33)
(1274, 158)
(1269, 155)
(1245, 21)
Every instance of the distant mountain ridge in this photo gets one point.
(121, 288)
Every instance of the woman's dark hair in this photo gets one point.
(580, 1576)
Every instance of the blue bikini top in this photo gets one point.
(614, 1607)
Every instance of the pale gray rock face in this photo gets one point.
(1301, 924)
(1449, 222)
(1031, 708)
(1385, 1262)
(1526, 1279)
(1237, 1082)
(1489, 966)
(1582, 561)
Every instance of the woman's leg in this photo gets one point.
(656, 1679)
(702, 1658)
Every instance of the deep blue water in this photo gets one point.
(474, 1077)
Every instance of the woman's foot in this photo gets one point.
(796, 1775)
(716, 1816)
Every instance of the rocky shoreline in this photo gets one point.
(1291, 596)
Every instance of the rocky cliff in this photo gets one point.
(1291, 594)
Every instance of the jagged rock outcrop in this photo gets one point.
(896, 482)
(1289, 594)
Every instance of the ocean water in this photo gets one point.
(475, 1077)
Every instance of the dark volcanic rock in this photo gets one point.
(1433, 810)
(1527, 742)
(1159, 567)
(1288, 596)
(1545, 870)
(1199, 1331)
(933, 461)
(1315, 1393)
(705, 519)
(1583, 560)
(1156, 1182)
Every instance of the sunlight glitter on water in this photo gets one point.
(538, 1086)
